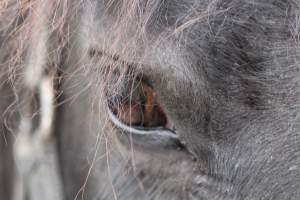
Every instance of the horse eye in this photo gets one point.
(140, 116)
(139, 108)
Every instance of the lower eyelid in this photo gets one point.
(162, 132)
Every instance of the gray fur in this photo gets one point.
(226, 72)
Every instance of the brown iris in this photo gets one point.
(138, 106)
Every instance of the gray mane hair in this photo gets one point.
(35, 35)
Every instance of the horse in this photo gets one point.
(150, 99)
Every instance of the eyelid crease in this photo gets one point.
(153, 131)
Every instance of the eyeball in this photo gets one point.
(139, 107)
